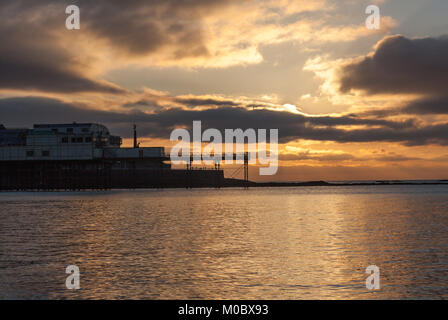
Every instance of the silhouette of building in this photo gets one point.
(86, 156)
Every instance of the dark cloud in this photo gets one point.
(153, 104)
(141, 27)
(317, 157)
(25, 111)
(423, 106)
(376, 113)
(355, 120)
(400, 65)
(194, 102)
(430, 105)
(324, 157)
(291, 126)
(135, 27)
(160, 124)
(143, 104)
(33, 58)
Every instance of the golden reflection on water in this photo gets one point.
(284, 243)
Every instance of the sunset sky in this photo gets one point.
(350, 103)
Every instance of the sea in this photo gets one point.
(259, 243)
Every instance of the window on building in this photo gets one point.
(88, 139)
(64, 140)
(45, 153)
(54, 130)
(73, 140)
(85, 129)
(79, 140)
(30, 153)
(70, 130)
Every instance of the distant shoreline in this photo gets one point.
(344, 184)
(238, 183)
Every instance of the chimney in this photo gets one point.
(135, 137)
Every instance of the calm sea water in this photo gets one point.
(276, 243)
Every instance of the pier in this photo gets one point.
(85, 156)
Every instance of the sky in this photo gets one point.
(350, 103)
